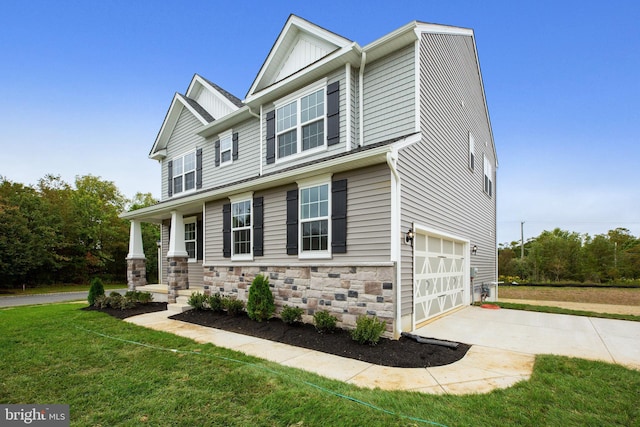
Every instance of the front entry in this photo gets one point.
(439, 275)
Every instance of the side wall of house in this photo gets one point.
(439, 189)
(389, 106)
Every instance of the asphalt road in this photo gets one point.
(14, 301)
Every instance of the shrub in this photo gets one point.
(197, 300)
(144, 297)
(102, 301)
(260, 304)
(368, 330)
(291, 315)
(125, 303)
(215, 302)
(115, 300)
(95, 290)
(324, 321)
(233, 306)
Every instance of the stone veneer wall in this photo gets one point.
(136, 273)
(345, 292)
(177, 276)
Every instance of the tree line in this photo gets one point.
(561, 255)
(55, 232)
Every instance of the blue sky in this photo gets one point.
(86, 86)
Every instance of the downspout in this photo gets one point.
(392, 159)
(349, 110)
(363, 61)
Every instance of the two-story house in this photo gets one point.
(360, 180)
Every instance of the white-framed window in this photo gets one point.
(226, 147)
(301, 122)
(184, 173)
(241, 228)
(488, 177)
(472, 152)
(314, 221)
(190, 238)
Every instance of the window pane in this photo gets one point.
(225, 156)
(313, 135)
(177, 184)
(286, 116)
(177, 166)
(191, 249)
(190, 181)
(190, 162)
(225, 144)
(190, 231)
(315, 236)
(312, 106)
(242, 241)
(287, 144)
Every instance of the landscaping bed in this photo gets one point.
(403, 353)
(149, 307)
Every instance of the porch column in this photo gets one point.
(136, 261)
(178, 258)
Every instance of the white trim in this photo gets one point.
(200, 80)
(262, 142)
(396, 233)
(176, 239)
(311, 183)
(228, 134)
(347, 73)
(136, 250)
(242, 198)
(417, 97)
(314, 180)
(204, 228)
(195, 173)
(191, 220)
(317, 85)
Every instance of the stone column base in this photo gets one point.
(177, 277)
(136, 273)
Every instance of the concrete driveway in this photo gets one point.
(14, 301)
(614, 341)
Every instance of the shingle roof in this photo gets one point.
(236, 101)
(199, 108)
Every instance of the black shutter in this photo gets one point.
(226, 230)
(199, 241)
(339, 216)
(258, 226)
(217, 153)
(271, 137)
(170, 173)
(333, 113)
(235, 146)
(199, 168)
(292, 222)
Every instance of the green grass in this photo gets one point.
(59, 354)
(558, 310)
(55, 289)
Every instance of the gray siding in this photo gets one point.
(182, 140)
(368, 221)
(439, 190)
(389, 88)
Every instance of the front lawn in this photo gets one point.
(114, 373)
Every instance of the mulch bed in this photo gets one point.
(402, 353)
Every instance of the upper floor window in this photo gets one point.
(184, 173)
(300, 124)
(225, 149)
(488, 177)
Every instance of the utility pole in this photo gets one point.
(521, 240)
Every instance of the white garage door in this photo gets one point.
(439, 272)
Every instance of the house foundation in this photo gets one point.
(346, 292)
(177, 276)
(136, 273)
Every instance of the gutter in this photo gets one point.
(363, 61)
(392, 159)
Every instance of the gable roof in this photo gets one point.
(218, 101)
(300, 44)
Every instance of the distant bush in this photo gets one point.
(260, 303)
(324, 321)
(291, 315)
(368, 330)
(95, 290)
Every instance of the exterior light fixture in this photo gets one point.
(474, 250)
(408, 238)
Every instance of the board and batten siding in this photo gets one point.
(368, 222)
(389, 89)
(439, 190)
(245, 166)
(183, 140)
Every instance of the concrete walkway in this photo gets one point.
(481, 370)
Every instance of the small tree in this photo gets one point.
(260, 304)
(95, 290)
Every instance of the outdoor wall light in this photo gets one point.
(408, 238)
(474, 250)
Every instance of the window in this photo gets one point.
(488, 177)
(225, 149)
(184, 173)
(300, 124)
(314, 219)
(190, 238)
(241, 228)
(472, 150)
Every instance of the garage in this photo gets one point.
(440, 279)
